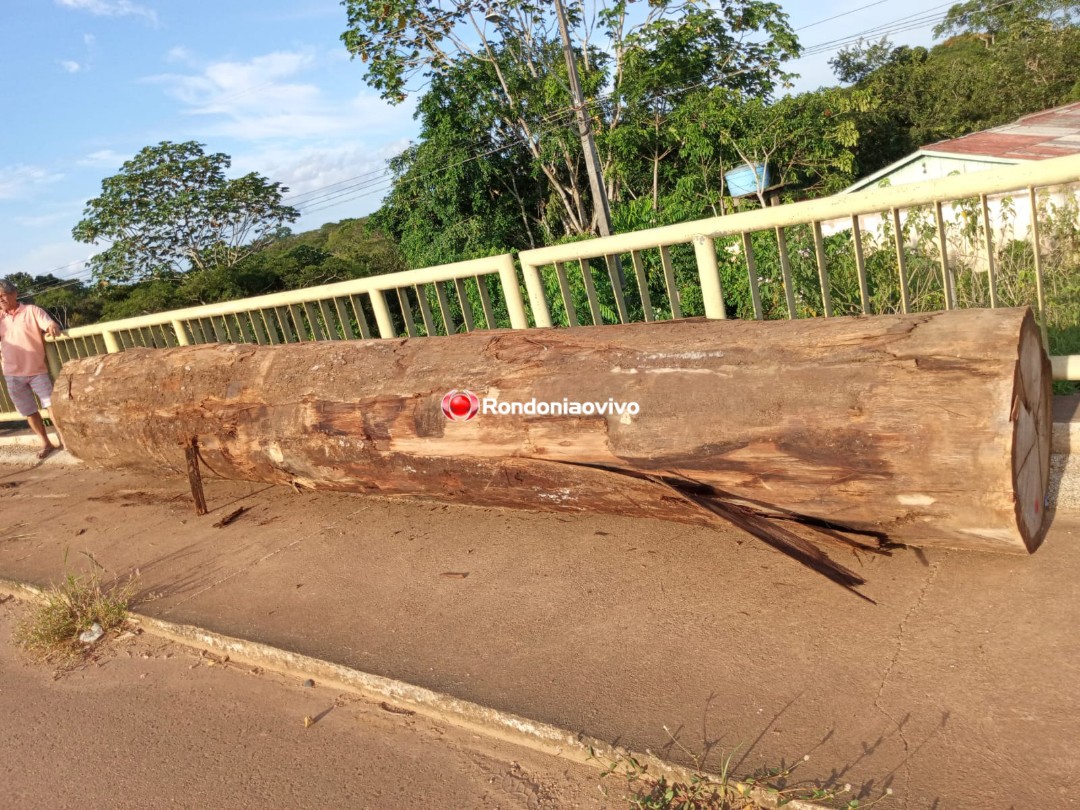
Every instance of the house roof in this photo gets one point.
(1039, 136)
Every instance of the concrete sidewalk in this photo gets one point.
(957, 689)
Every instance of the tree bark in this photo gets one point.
(925, 430)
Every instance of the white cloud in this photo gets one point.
(309, 170)
(327, 182)
(71, 66)
(179, 54)
(264, 98)
(103, 157)
(64, 259)
(16, 180)
(228, 87)
(58, 217)
(116, 8)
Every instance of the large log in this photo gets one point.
(926, 430)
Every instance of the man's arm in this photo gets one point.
(45, 322)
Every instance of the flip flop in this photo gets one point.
(44, 452)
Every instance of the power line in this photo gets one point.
(382, 185)
(72, 280)
(364, 188)
(362, 185)
(906, 22)
(294, 199)
(842, 14)
(899, 25)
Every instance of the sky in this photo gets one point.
(86, 84)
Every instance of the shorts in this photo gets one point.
(22, 390)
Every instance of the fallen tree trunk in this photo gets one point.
(926, 430)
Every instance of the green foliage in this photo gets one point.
(445, 206)
(854, 63)
(678, 99)
(51, 632)
(1005, 60)
(806, 139)
(335, 252)
(499, 164)
(171, 209)
(1019, 18)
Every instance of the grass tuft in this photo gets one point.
(51, 633)
(765, 790)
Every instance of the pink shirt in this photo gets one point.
(22, 341)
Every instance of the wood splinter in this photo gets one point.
(191, 453)
(229, 518)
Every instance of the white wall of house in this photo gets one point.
(934, 167)
(924, 166)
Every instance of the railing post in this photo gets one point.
(989, 237)
(382, 315)
(52, 358)
(111, 346)
(1040, 296)
(515, 304)
(534, 285)
(709, 275)
(181, 334)
(1066, 367)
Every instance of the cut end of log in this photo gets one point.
(1032, 424)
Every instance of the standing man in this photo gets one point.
(22, 344)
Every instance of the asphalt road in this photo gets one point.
(956, 687)
(151, 724)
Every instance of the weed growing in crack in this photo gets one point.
(704, 791)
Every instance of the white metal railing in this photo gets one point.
(985, 212)
(475, 294)
(898, 249)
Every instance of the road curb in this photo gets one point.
(491, 723)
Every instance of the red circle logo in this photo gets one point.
(460, 406)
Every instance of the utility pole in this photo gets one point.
(592, 159)
(588, 145)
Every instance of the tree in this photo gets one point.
(1005, 60)
(446, 203)
(991, 19)
(854, 63)
(171, 210)
(71, 302)
(517, 74)
(805, 140)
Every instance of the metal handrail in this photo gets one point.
(502, 264)
(1057, 171)
(315, 308)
